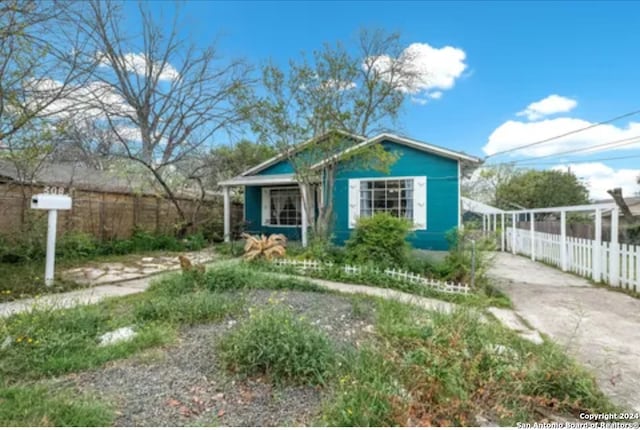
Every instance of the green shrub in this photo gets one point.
(380, 239)
(319, 249)
(230, 278)
(275, 342)
(77, 245)
(195, 242)
(457, 264)
(36, 406)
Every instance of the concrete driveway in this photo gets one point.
(600, 328)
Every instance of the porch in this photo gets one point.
(274, 204)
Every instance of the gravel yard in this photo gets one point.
(183, 384)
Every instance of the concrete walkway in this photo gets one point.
(600, 328)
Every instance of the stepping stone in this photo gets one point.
(120, 335)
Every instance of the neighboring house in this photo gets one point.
(423, 185)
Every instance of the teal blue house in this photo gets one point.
(422, 185)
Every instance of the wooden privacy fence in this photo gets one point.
(615, 264)
(107, 215)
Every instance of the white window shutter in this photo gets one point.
(266, 206)
(354, 201)
(420, 202)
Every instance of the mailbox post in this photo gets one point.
(53, 203)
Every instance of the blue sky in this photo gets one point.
(514, 54)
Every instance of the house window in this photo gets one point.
(404, 197)
(284, 207)
(393, 196)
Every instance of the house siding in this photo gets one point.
(442, 194)
(253, 216)
(281, 167)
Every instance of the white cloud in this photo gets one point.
(436, 69)
(599, 178)
(513, 134)
(548, 106)
(137, 63)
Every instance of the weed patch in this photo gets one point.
(190, 308)
(35, 406)
(53, 342)
(279, 344)
(452, 368)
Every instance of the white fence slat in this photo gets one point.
(405, 275)
(581, 254)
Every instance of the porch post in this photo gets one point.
(563, 241)
(533, 236)
(513, 233)
(227, 214)
(484, 223)
(305, 221)
(614, 250)
(503, 232)
(495, 223)
(596, 256)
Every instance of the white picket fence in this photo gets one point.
(403, 275)
(582, 257)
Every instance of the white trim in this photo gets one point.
(282, 156)
(282, 179)
(266, 193)
(425, 147)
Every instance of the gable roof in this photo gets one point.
(416, 144)
(282, 156)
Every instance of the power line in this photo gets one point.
(611, 144)
(549, 139)
(586, 161)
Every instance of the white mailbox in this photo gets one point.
(50, 202)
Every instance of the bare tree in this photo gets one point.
(359, 91)
(161, 98)
(41, 64)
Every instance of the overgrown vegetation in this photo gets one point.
(418, 368)
(35, 406)
(279, 344)
(22, 259)
(434, 369)
(370, 275)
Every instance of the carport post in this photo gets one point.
(596, 257)
(227, 214)
(503, 233)
(533, 236)
(614, 251)
(513, 233)
(305, 220)
(563, 241)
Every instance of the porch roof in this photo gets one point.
(282, 179)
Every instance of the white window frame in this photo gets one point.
(266, 206)
(419, 199)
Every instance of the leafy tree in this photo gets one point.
(227, 161)
(542, 188)
(485, 181)
(359, 91)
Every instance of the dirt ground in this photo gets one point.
(599, 327)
